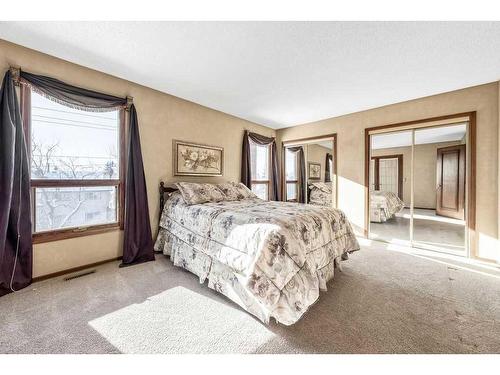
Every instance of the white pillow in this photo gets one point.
(244, 190)
(196, 193)
(323, 186)
(231, 192)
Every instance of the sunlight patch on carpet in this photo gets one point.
(179, 320)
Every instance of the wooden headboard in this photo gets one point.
(165, 193)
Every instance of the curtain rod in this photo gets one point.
(16, 76)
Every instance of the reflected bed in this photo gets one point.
(384, 205)
(320, 194)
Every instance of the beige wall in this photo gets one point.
(498, 166)
(351, 155)
(162, 118)
(425, 172)
(317, 154)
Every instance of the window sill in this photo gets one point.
(64, 234)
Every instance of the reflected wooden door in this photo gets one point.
(450, 180)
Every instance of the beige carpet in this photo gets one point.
(383, 302)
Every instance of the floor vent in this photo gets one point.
(79, 275)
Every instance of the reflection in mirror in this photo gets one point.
(390, 186)
(320, 173)
(439, 189)
(310, 175)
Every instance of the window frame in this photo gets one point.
(376, 172)
(294, 182)
(263, 182)
(119, 183)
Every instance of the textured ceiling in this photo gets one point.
(278, 74)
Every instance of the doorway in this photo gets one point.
(419, 181)
(451, 182)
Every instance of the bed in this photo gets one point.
(320, 194)
(271, 258)
(384, 205)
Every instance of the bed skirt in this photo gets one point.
(233, 285)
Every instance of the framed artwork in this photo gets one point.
(314, 171)
(192, 159)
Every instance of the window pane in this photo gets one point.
(58, 208)
(291, 165)
(259, 156)
(260, 190)
(291, 191)
(388, 175)
(67, 143)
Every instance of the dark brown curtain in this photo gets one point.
(72, 96)
(138, 242)
(246, 166)
(301, 173)
(16, 249)
(328, 169)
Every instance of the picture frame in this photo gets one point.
(314, 171)
(195, 159)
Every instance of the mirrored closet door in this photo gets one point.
(418, 187)
(439, 188)
(309, 171)
(390, 192)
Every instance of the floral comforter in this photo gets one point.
(320, 194)
(271, 258)
(384, 205)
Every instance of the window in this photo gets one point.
(386, 174)
(76, 162)
(291, 175)
(260, 162)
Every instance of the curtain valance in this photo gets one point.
(69, 95)
(259, 139)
